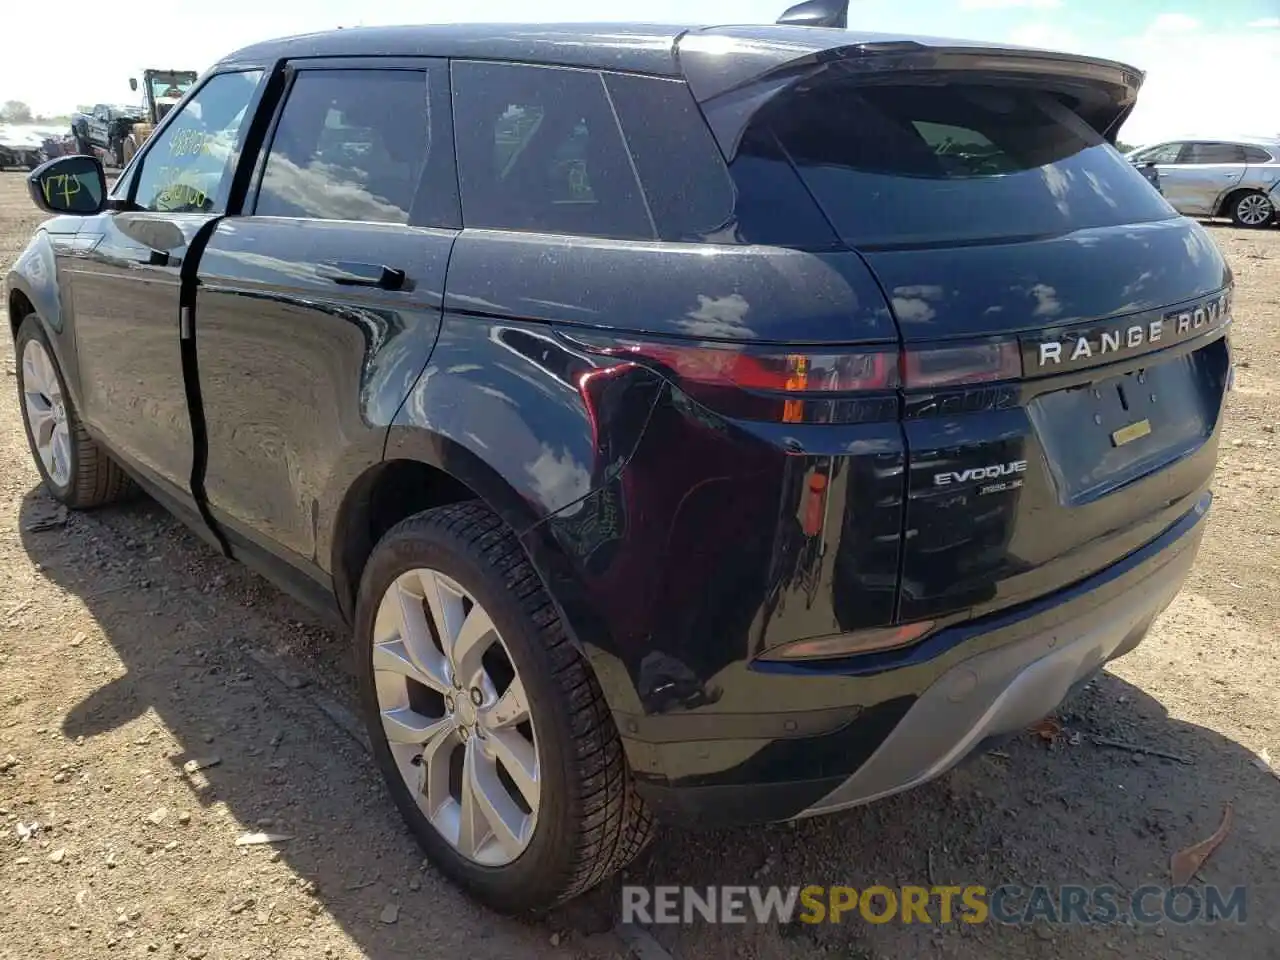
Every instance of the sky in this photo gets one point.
(1213, 66)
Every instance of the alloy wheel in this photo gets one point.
(46, 412)
(456, 716)
(1254, 210)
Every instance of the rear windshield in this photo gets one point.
(893, 165)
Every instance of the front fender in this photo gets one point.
(35, 274)
(34, 281)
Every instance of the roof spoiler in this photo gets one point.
(818, 13)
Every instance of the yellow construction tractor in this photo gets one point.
(161, 90)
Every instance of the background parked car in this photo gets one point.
(1217, 178)
(105, 127)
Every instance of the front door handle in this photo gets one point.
(352, 273)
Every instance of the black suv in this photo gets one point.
(713, 425)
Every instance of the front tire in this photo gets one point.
(1252, 210)
(489, 726)
(74, 468)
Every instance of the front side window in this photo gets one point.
(1213, 153)
(187, 168)
(1165, 153)
(350, 145)
(539, 149)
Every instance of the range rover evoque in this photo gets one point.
(713, 425)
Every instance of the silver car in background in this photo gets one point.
(1229, 177)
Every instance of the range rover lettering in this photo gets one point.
(713, 425)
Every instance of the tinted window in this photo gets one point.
(187, 168)
(772, 205)
(904, 164)
(539, 149)
(350, 145)
(1213, 153)
(1256, 155)
(1167, 153)
(685, 181)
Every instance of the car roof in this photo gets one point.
(638, 48)
(1252, 140)
(631, 47)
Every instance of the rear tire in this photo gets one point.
(74, 468)
(585, 820)
(1252, 210)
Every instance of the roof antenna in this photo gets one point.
(818, 13)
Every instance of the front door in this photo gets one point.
(317, 309)
(126, 289)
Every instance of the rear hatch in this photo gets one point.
(980, 188)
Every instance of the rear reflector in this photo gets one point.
(850, 644)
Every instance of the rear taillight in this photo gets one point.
(801, 383)
(953, 365)
(756, 382)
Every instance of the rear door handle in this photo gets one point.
(353, 273)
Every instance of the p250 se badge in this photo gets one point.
(995, 471)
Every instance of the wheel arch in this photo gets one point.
(20, 307)
(1230, 197)
(422, 470)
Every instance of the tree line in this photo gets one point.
(15, 111)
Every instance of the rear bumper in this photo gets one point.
(1023, 664)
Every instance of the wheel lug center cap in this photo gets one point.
(465, 712)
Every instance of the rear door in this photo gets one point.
(1062, 328)
(1207, 171)
(318, 307)
(127, 286)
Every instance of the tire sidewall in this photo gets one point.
(32, 329)
(544, 868)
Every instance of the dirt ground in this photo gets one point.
(129, 649)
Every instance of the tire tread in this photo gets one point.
(98, 480)
(613, 823)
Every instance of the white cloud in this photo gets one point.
(1266, 23)
(1174, 23)
(1009, 4)
(1175, 102)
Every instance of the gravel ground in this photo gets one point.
(131, 653)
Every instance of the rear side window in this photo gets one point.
(350, 145)
(539, 149)
(685, 180)
(1256, 155)
(1213, 153)
(894, 165)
